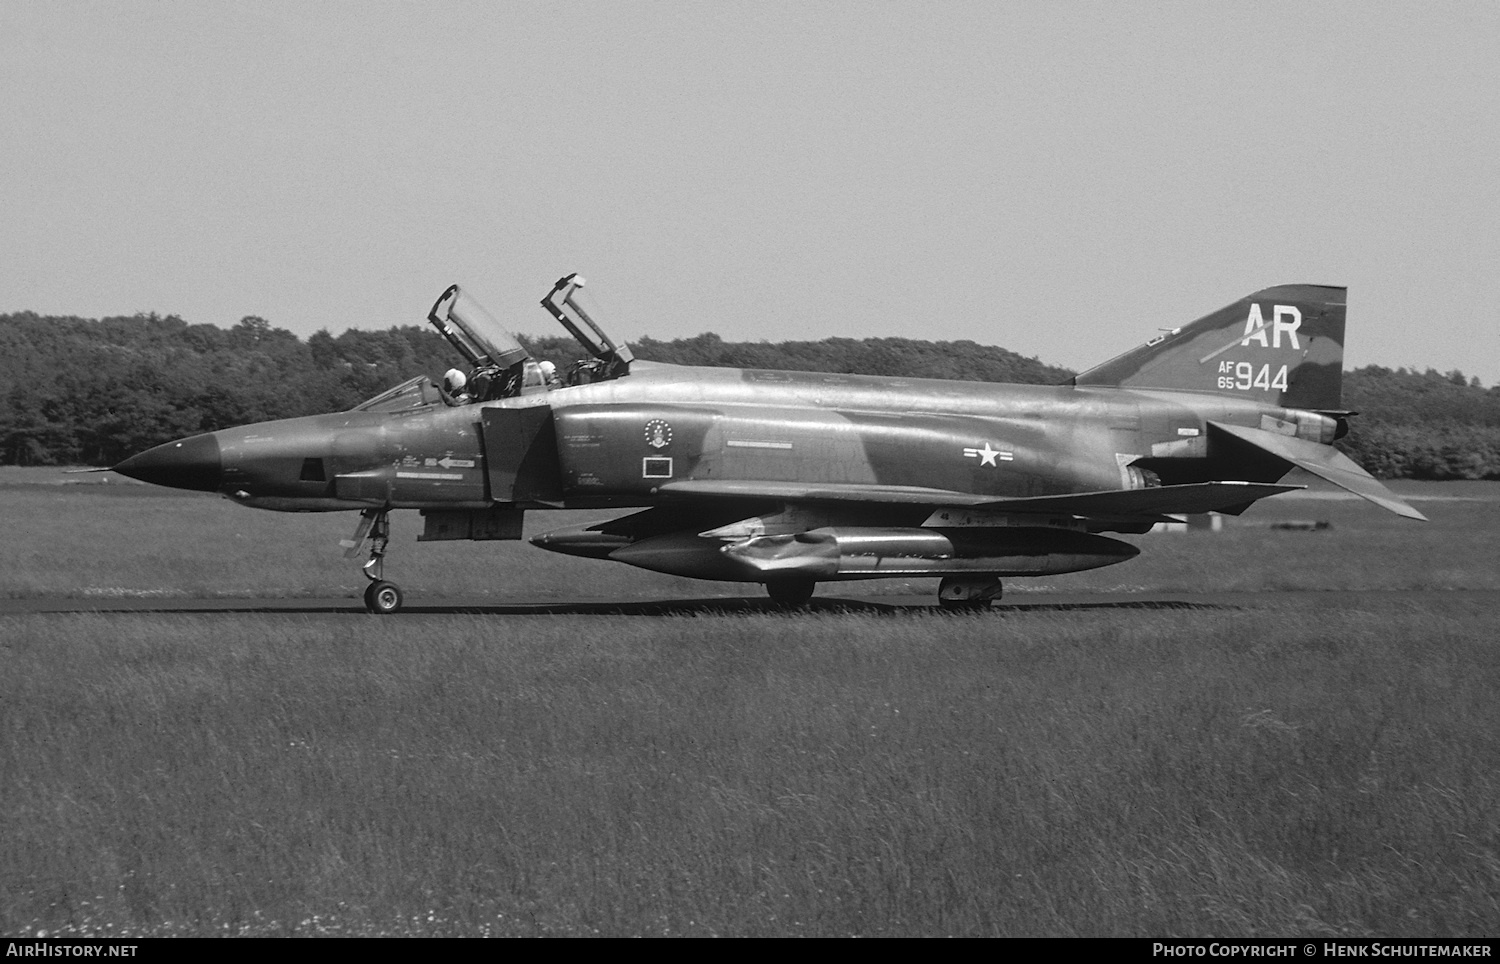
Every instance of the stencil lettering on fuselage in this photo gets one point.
(1246, 376)
(1285, 320)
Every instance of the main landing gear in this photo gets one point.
(381, 597)
(792, 592)
(968, 593)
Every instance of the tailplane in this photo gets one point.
(1324, 461)
(1281, 346)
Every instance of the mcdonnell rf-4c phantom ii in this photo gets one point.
(789, 479)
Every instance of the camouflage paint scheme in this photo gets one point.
(792, 478)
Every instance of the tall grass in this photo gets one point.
(1146, 773)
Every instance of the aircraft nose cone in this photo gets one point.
(192, 463)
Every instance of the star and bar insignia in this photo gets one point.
(988, 455)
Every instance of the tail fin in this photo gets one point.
(1282, 346)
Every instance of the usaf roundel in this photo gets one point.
(658, 433)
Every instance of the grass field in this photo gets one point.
(1286, 769)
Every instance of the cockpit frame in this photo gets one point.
(610, 360)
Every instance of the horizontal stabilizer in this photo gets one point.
(1170, 499)
(1324, 461)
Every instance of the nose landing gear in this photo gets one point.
(381, 597)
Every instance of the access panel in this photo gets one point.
(520, 454)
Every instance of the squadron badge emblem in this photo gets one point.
(658, 433)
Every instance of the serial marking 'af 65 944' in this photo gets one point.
(791, 478)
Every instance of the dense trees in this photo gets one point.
(92, 392)
(79, 391)
(870, 356)
(1423, 426)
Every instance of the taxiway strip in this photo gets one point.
(1458, 600)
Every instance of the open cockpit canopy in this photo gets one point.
(475, 332)
(565, 303)
(501, 367)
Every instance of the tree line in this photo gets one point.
(1422, 425)
(91, 392)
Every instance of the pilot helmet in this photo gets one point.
(549, 370)
(454, 381)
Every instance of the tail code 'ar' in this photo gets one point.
(1283, 346)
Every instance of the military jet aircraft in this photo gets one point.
(790, 479)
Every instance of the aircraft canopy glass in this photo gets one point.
(412, 393)
(475, 332)
(566, 302)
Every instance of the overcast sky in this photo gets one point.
(1059, 178)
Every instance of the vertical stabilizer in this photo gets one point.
(1280, 346)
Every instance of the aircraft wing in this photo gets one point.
(1324, 461)
(1145, 503)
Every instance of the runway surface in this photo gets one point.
(1452, 600)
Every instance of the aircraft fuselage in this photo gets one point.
(619, 443)
(793, 478)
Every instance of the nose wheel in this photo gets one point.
(381, 597)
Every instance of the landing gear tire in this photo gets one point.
(383, 598)
(968, 594)
(791, 593)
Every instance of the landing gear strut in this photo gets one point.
(380, 596)
(968, 593)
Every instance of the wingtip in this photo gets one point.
(1407, 512)
(1392, 504)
